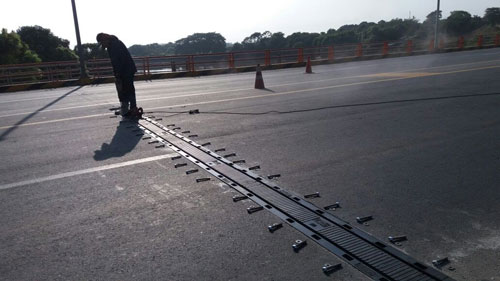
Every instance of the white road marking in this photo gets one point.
(161, 165)
(56, 120)
(87, 171)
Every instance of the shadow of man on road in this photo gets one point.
(123, 142)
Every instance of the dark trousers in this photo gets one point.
(126, 90)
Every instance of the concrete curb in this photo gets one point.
(142, 77)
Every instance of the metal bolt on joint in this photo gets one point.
(364, 219)
(252, 210)
(299, 244)
(332, 206)
(272, 228)
(328, 268)
(312, 195)
(441, 262)
(396, 239)
(238, 198)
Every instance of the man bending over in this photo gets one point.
(123, 70)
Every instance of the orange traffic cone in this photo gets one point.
(308, 66)
(259, 81)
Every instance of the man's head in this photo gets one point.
(104, 39)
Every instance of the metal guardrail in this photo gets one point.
(99, 68)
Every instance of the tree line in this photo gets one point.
(38, 44)
(458, 23)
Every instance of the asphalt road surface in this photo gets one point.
(412, 141)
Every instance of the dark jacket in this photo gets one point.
(123, 64)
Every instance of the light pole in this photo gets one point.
(436, 36)
(83, 71)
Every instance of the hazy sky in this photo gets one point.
(162, 21)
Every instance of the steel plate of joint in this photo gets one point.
(353, 245)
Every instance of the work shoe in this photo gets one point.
(134, 113)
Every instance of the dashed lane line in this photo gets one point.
(86, 171)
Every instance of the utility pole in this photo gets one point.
(436, 33)
(83, 71)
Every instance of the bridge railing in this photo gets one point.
(98, 68)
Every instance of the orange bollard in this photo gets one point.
(331, 53)
(385, 49)
(409, 47)
(461, 42)
(480, 41)
(308, 66)
(431, 45)
(300, 55)
(190, 64)
(268, 57)
(497, 40)
(230, 59)
(359, 50)
(259, 80)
